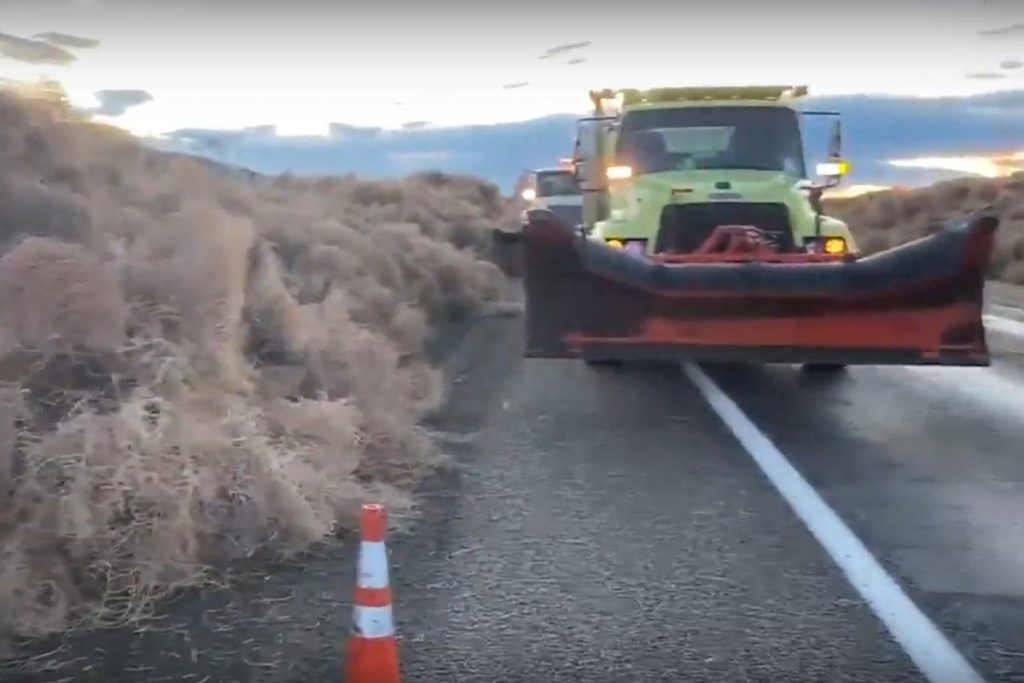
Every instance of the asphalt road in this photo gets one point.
(607, 526)
(927, 468)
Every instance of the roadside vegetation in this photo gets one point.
(884, 219)
(196, 368)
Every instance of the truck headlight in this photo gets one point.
(619, 172)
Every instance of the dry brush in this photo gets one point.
(881, 220)
(196, 368)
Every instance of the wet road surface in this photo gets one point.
(606, 526)
(927, 468)
(609, 529)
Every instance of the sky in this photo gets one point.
(154, 66)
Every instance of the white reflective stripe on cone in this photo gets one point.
(373, 622)
(372, 571)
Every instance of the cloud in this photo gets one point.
(561, 49)
(33, 51)
(1003, 31)
(985, 75)
(513, 86)
(67, 40)
(577, 60)
(1010, 64)
(415, 125)
(117, 102)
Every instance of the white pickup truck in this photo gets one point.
(556, 190)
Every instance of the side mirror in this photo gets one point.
(835, 142)
(836, 167)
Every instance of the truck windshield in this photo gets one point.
(755, 138)
(554, 183)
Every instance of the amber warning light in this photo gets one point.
(835, 245)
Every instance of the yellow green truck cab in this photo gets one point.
(660, 169)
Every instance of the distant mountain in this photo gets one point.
(232, 170)
(876, 129)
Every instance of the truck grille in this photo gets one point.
(684, 227)
(570, 213)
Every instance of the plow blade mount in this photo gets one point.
(916, 304)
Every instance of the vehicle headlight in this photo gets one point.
(834, 245)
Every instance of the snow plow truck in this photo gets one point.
(702, 238)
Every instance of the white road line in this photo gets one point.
(998, 323)
(930, 650)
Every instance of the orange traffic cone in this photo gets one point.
(372, 652)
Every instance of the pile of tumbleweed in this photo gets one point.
(196, 368)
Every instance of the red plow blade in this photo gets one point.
(916, 304)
